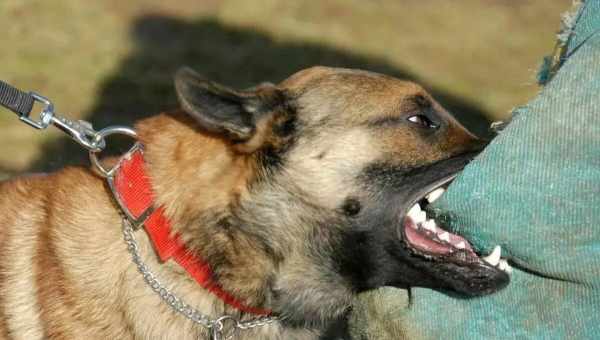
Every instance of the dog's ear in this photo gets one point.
(217, 108)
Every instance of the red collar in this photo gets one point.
(132, 189)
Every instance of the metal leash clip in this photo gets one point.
(80, 131)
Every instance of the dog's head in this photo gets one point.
(340, 160)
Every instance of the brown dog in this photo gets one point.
(296, 195)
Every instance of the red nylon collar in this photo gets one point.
(132, 189)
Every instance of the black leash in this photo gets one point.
(18, 101)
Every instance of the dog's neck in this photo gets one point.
(199, 179)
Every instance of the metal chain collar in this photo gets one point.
(216, 327)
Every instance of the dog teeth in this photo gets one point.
(416, 214)
(444, 236)
(421, 217)
(494, 257)
(504, 266)
(430, 225)
(461, 245)
(414, 210)
(435, 194)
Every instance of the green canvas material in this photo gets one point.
(535, 190)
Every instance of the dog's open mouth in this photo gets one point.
(428, 238)
(425, 238)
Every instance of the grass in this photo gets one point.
(112, 61)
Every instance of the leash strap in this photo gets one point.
(15, 100)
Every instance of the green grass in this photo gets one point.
(112, 61)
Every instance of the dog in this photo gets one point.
(297, 196)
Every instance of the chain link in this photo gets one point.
(215, 326)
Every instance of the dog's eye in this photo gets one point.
(422, 121)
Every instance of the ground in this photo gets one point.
(112, 61)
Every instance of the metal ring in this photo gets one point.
(220, 322)
(45, 116)
(100, 136)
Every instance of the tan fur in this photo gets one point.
(65, 272)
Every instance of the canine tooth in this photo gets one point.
(444, 236)
(414, 210)
(430, 225)
(435, 194)
(420, 217)
(504, 266)
(494, 257)
(461, 245)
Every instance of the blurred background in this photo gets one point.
(112, 61)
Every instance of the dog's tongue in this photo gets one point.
(431, 238)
